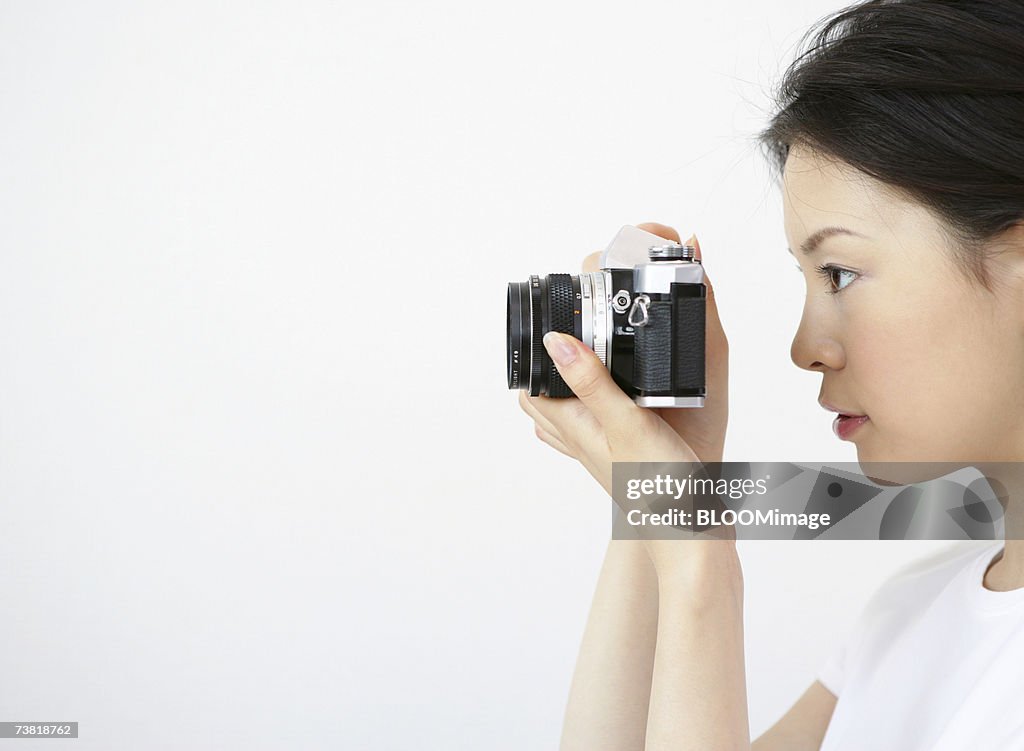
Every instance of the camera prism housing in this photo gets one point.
(643, 314)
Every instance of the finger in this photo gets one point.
(571, 422)
(530, 408)
(552, 441)
(661, 230)
(590, 381)
(592, 262)
(580, 456)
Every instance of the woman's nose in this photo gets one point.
(814, 349)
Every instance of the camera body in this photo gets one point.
(643, 314)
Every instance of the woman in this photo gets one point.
(900, 141)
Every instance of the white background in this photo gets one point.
(261, 482)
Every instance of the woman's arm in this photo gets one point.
(608, 700)
(698, 698)
(699, 693)
(803, 727)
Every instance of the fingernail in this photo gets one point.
(696, 246)
(562, 352)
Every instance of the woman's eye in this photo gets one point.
(834, 277)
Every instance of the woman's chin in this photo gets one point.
(895, 467)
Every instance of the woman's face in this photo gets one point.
(934, 361)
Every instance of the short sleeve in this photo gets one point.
(881, 607)
(835, 671)
(908, 590)
(832, 673)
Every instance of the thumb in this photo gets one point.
(590, 381)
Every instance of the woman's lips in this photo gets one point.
(845, 425)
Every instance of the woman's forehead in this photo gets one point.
(814, 183)
(821, 192)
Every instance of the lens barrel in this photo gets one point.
(535, 307)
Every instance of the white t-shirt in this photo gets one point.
(934, 661)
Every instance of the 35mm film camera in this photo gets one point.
(643, 314)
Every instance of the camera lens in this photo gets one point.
(535, 307)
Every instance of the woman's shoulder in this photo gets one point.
(905, 598)
(916, 584)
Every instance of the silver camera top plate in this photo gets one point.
(630, 250)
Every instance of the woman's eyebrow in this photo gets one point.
(811, 244)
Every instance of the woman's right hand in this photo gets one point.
(702, 428)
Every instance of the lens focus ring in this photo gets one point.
(560, 305)
(537, 335)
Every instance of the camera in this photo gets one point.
(643, 314)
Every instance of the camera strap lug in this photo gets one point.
(640, 305)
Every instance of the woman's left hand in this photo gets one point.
(603, 425)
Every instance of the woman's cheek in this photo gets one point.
(889, 370)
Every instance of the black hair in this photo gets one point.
(926, 96)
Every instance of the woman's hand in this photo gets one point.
(602, 425)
